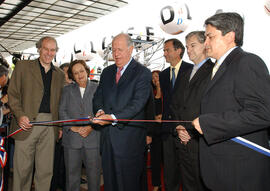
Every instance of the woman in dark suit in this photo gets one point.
(80, 140)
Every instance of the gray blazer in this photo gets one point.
(72, 105)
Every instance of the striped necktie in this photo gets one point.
(215, 69)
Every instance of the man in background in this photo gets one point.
(169, 78)
(186, 106)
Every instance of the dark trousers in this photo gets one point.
(188, 160)
(156, 159)
(58, 179)
(172, 177)
(144, 172)
(121, 173)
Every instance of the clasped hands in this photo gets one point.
(84, 131)
(183, 134)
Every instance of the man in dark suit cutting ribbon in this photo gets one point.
(122, 93)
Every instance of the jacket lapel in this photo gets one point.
(127, 74)
(183, 68)
(202, 71)
(228, 60)
(56, 80)
(113, 76)
(87, 90)
(36, 73)
(77, 93)
(168, 80)
(218, 75)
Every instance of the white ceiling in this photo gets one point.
(24, 22)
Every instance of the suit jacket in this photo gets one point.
(72, 105)
(25, 93)
(168, 91)
(126, 100)
(186, 102)
(236, 103)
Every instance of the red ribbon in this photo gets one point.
(90, 118)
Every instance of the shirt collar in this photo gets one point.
(222, 58)
(52, 66)
(201, 63)
(177, 67)
(125, 66)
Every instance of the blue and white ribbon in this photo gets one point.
(252, 145)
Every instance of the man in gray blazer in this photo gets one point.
(34, 95)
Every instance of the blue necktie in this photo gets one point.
(173, 76)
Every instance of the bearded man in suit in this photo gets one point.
(235, 103)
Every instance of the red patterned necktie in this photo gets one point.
(118, 74)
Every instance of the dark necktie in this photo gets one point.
(173, 76)
(118, 74)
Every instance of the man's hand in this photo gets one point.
(100, 112)
(196, 124)
(85, 131)
(24, 123)
(183, 134)
(104, 119)
(4, 99)
(75, 129)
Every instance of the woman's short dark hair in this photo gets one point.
(73, 63)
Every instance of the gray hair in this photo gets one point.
(39, 43)
(127, 37)
(199, 34)
(227, 22)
